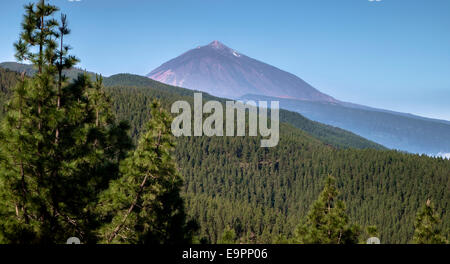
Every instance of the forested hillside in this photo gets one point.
(261, 193)
(8, 79)
(328, 134)
(29, 70)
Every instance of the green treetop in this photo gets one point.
(144, 205)
(327, 221)
(59, 145)
(427, 231)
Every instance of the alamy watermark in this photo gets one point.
(213, 125)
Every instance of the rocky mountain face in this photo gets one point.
(222, 71)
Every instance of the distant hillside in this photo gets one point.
(133, 80)
(8, 79)
(328, 134)
(395, 131)
(224, 72)
(29, 70)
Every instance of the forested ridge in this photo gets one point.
(232, 182)
(30, 70)
(328, 134)
(8, 80)
(394, 130)
(261, 194)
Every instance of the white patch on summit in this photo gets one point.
(236, 54)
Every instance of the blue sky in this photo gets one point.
(392, 54)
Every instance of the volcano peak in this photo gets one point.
(217, 45)
(222, 71)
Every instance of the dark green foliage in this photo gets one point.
(262, 193)
(8, 79)
(427, 227)
(228, 236)
(234, 182)
(327, 221)
(59, 144)
(48, 186)
(330, 135)
(60, 148)
(231, 181)
(372, 231)
(144, 205)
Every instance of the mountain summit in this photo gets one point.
(225, 72)
(222, 71)
(217, 45)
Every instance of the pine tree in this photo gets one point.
(144, 205)
(228, 236)
(59, 142)
(427, 230)
(63, 62)
(327, 221)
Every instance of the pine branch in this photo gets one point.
(138, 195)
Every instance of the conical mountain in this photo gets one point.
(222, 71)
